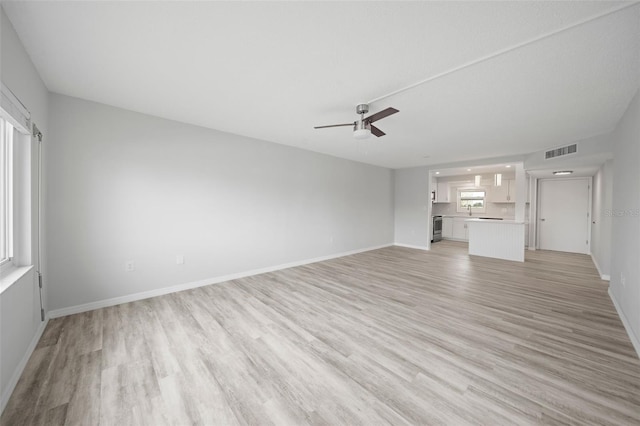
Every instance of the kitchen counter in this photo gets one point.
(500, 239)
(466, 216)
(503, 221)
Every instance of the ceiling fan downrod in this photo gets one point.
(361, 128)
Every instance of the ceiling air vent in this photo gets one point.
(570, 149)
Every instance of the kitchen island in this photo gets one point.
(501, 239)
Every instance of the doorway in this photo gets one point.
(564, 214)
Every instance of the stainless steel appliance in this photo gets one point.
(436, 229)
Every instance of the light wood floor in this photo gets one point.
(394, 336)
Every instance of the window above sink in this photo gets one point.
(471, 200)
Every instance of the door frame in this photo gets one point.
(533, 214)
(589, 212)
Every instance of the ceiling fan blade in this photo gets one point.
(377, 132)
(334, 125)
(380, 115)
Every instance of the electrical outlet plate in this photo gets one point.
(129, 266)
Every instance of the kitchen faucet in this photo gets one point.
(469, 207)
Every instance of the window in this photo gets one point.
(471, 200)
(6, 192)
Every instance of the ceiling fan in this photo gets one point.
(362, 128)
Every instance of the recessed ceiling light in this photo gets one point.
(437, 173)
(563, 172)
(508, 167)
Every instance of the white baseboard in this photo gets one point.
(194, 284)
(634, 340)
(21, 365)
(603, 277)
(411, 246)
(460, 240)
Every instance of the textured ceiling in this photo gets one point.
(273, 70)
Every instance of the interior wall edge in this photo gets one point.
(635, 341)
(17, 373)
(85, 307)
(412, 207)
(604, 277)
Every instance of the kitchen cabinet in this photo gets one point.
(442, 193)
(506, 193)
(498, 194)
(460, 231)
(447, 227)
(497, 238)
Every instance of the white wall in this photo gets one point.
(20, 321)
(625, 253)
(590, 151)
(412, 200)
(601, 218)
(127, 186)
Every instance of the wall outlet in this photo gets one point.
(129, 266)
(623, 279)
(179, 259)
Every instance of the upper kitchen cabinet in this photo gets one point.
(442, 193)
(505, 193)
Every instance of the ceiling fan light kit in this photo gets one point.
(363, 128)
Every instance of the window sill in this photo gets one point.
(12, 275)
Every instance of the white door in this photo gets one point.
(563, 217)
